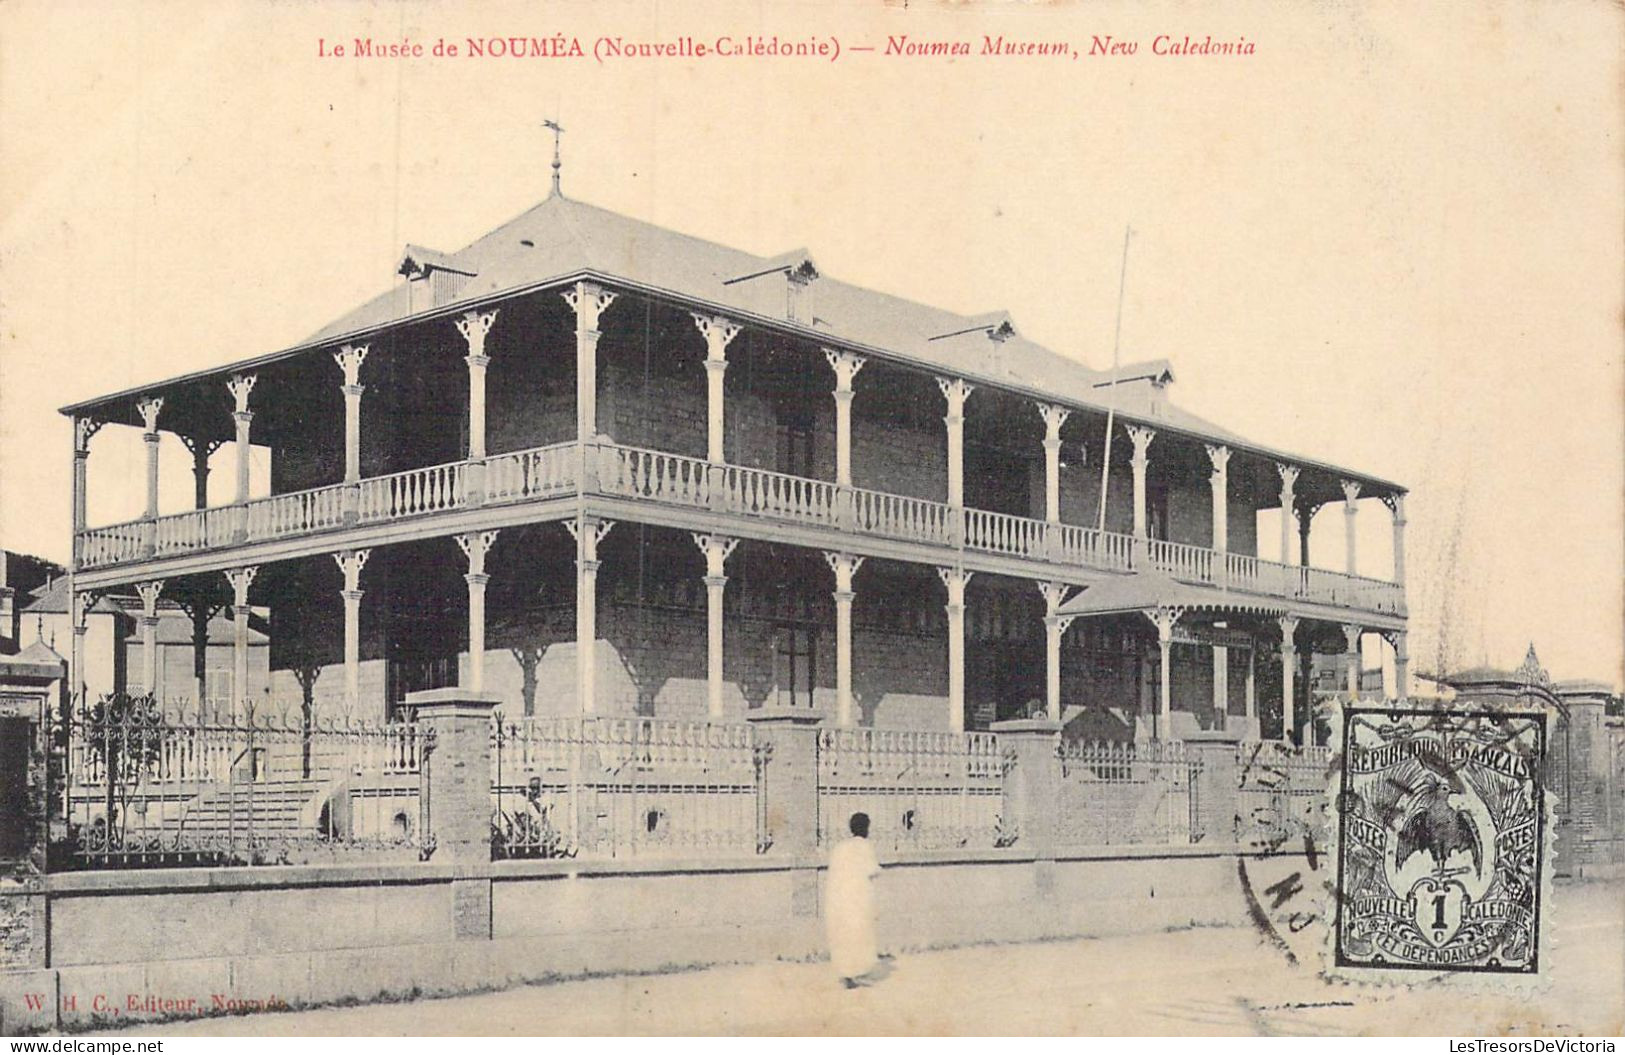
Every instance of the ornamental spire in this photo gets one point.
(558, 162)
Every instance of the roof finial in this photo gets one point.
(557, 161)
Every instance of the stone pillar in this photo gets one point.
(1351, 638)
(718, 332)
(846, 366)
(350, 357)
(956, 579)
(787, 754)
(1217, 782)
(1396, 506)
(1054, 626)
(455, 774)
(1289, 481)
(475, 546)
(1289, 662)
(149, 592)
(845, 566)
(351, 562)
(717, 550)
(1165, 619)
(1032, 784)
(1141, 437)
(588, 533)
(240, 386)
(1054, 417)
(589, 301)
(1351, 495)
(241, 579)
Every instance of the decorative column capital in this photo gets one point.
(1289, 632)
(1054, 595)
(241, 579)
(1054, 417)
(1351, 492)
(1289, 479)
(1396, 506)
(475, 546)
(148, 407)
(149, 592)
(596, 529)
(351, 562)
(200, 447)
(83, 601)
(955, 390)
(474, 325)
(845, 566)
(955, 579)
(350, 357)
(718, 333)
(1058, 624)
(846, 366)
(83, 429)
(240, 386)
(1164, 619)
(1219, 455)
(1141, 436)
(1351, 636)
(589, 301)
(717, 549)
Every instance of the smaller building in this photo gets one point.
(20, 575)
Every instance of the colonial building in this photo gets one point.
(588, 464)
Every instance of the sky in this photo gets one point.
(1386, 239)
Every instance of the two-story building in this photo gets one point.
(589, 464)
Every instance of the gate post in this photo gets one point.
(1032, 784)
(24, 943)
(455, 787)
(1216, 785)
(789, 782)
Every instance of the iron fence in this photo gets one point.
(921, 790)
(144, 785)
(623, 787)
(1281, 792)
(1119, 793)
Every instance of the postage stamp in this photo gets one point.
(1441, 852)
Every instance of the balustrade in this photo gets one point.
(409, 493)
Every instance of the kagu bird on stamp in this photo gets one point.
(1441, 849)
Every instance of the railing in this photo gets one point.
(297, 513)
(1115, 793)
(1281, 792)
(921, 790)
(625, 787)
(536, 473)
(144, 786)
(658, 476)
(410, 493)
(1002, 533)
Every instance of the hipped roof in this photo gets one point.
(1146, 590)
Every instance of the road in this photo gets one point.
(1205, 981)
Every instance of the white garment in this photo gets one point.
(849, 907)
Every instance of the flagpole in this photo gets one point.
(1111, 389)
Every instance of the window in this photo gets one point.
(794, 651)
(1156, 511)
(795, 449)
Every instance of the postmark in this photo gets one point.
(1441, 858)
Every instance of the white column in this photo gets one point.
(80, 605)
(1396, 506)
(149, 635)
(588, 532)
(1402, 665)
(475, 546)
(474, 325)
(1054, 626)
(351, 562)
(1054, 418)
(1289, 480)
(1165, 619)
(1351, 495)
(956, 579)
(955, 391)
(350, 357)
(240, 579)
(1351, 638)
(717, 550)
(240, 386)
(1289, 663)
(845, 566)
(83, 430)
(1218, 482)
(846, 366)
(1221, 684)
(149, 408)
(589, 301)
(718, 332)
(1141, 437)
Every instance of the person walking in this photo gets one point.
(849, 904)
